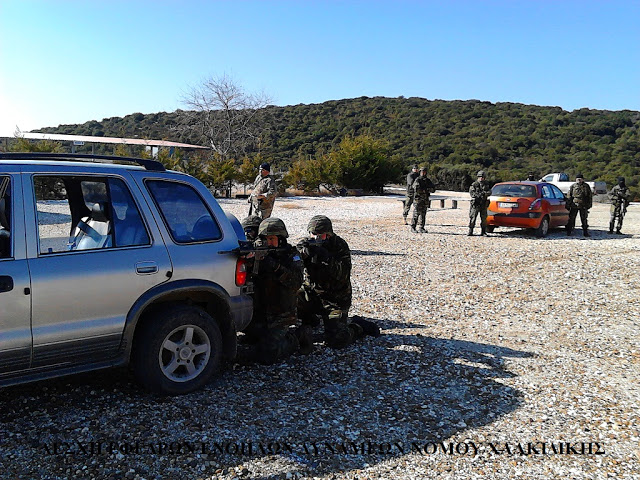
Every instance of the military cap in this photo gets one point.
(415, 167)
(620, 179)
(424, 169)
(580, 176)
(320, 224)
(273, 226)
(252, 221)
(265, 166)
(481, 173)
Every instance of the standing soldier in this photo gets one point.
(479, 191)
(408, 199)
(277, 276)
(422, 189)
(326, 291)
(620, 195)
(263, 195)
(580, 199)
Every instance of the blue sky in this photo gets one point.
(74, 61)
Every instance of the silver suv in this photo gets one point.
(113, 263)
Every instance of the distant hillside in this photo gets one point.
(506, 139)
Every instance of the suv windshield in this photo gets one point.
(514, 190)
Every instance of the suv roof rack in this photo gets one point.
(152, 165)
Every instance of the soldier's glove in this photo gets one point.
(269, 264)
(303, 249)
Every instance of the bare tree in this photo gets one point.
(224, 115)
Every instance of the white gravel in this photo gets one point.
(496, 353)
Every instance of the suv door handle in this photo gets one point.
(146, 268)
(6, 283)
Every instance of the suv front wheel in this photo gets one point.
(177, 350)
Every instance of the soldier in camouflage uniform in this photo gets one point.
(276, 282)
(620, 195)
(263, 195)
(580, 199)
(326, 291)
(479, 191)
(250, 226)
(408, 199)
(422, 189)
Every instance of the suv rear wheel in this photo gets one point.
(177, 350)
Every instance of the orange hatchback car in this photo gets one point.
(536, 205)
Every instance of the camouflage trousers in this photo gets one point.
(420, 208)
(573, 213)
(274, 337)
(617, 212)
(474, 211)
(262, 210)
(408, 201)
(338, 332)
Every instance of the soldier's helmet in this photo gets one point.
(481, 173)
(319, 225)
(252, 221)
(273, 226)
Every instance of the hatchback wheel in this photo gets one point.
(177, 350)
(543, 228)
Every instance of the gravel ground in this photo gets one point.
(502, 357)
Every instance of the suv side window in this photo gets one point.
(5, 217)
(184, 212)
(86, 213)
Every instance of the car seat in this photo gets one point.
(93, 231)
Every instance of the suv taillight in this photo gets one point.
(241, 272)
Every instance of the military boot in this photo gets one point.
(483, 232)
(422, 230)
(470, 234)
(413, 228)
(618, 232)
(586, 233)
(405, 220)
(611, 228)
(368, 327)
(304, 334)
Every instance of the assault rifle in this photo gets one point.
(261, 252)
(312, 250)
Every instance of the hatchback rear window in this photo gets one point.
(512, 190)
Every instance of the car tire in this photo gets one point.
(543, 228)
(490, 228)
(177, 350)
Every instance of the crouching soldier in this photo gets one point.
(277, 276)
(326, 291)
(250, 226)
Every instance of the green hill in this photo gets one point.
(506, 139)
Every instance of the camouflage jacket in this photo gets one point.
(580, 195)
(264, 186)
(278, 280)
(480, 191)
(411, 177)
(422, 188)
(330, 277)
(620, 196)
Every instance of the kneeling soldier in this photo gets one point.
(326, 291)
(277, 275)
